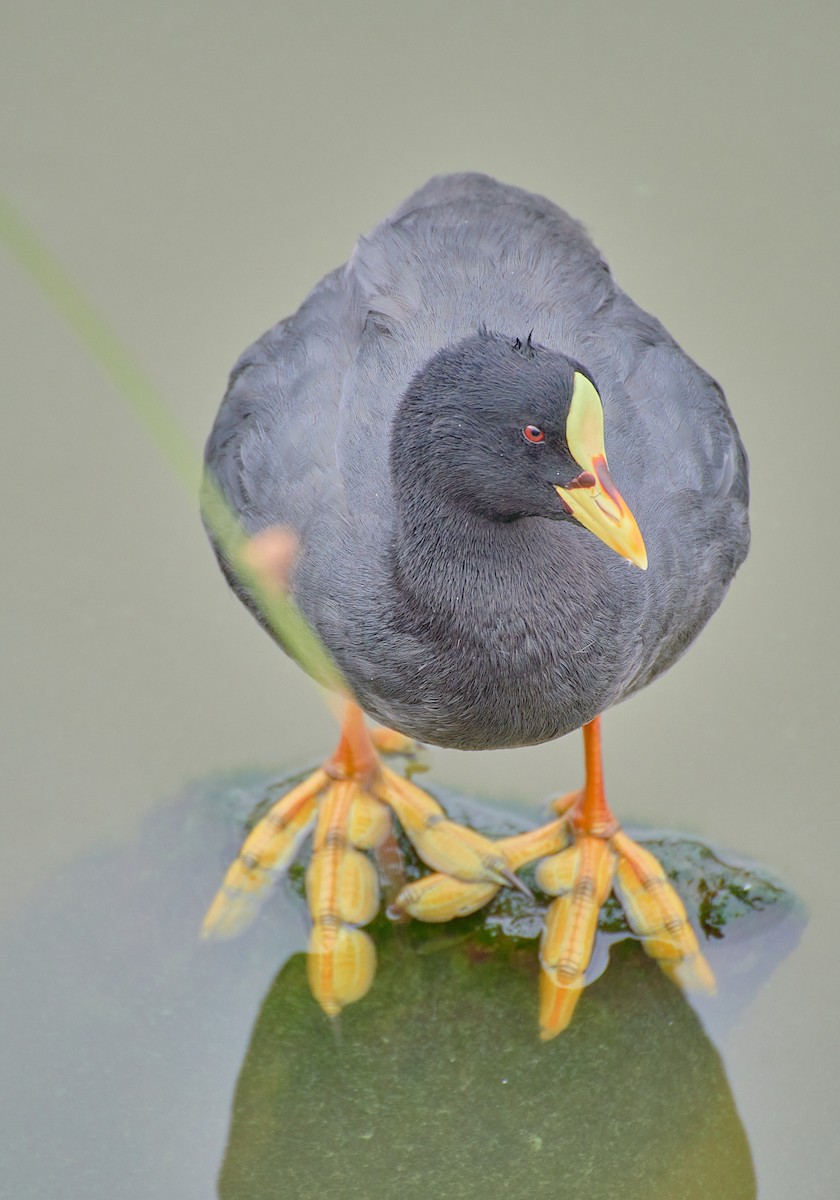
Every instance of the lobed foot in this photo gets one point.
(581, 869)
(350, 804)
(582, 877)
(342, 883)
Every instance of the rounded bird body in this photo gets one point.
(386, 424)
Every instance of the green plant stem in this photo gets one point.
(110, 354)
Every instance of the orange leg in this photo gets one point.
(602, 859)
(592, 814)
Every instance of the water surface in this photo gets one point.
(146, 1062)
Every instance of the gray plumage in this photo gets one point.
(456, 624)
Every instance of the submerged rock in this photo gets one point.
(436, 1083)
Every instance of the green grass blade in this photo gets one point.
(110, 354)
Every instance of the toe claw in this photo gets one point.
(512, 879)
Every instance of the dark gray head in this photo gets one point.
(485, 421)
(501, 428)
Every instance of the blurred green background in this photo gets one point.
(197, 167)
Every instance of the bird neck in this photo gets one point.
(449, 558)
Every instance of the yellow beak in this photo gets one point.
(592, 498)
(595, 501)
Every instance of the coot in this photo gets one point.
(418, 458)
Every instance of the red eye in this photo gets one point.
(533, 434)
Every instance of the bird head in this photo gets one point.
(510, 429)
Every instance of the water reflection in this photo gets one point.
(129, 1035)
